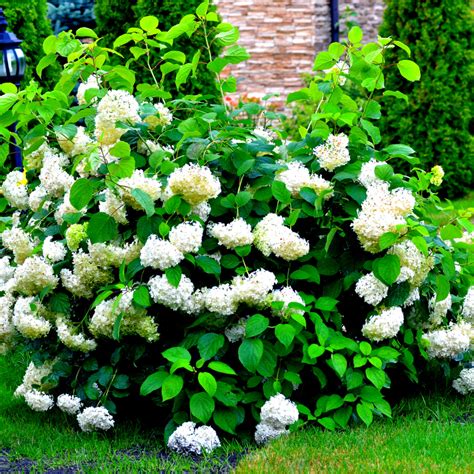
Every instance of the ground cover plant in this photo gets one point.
(181, 257)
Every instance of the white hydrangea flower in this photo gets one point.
(340, 68)
(384, 325)
(367, 175)
(412, 297)
(265, 433)
(6, 272)
(54, 179)
(448, 343)
(202, 210)
(15, 190)
(38, 401)
(286, 295)
(297, 176)
(110, 255)
(265, 134)
(28, 318)
(91, 83)
(382, 211)
(138, 180)
(275, 415)
(86, 276)
(272, 236)
(115, 106)
(236, 332)
(254, 288)
(95, 418)
(134, 321)
(195, 183)
(19, 242)
(38, 199)
(187, 237)
(234, 234)
(7, 329)
(166, 294)
(114, 207)
(412, 259)
(53, 251)
(159, 254)
(334, 152)
(33, 378)
(468, 306)
(279, 411)
(221, 300)
(72, 339)
(465, 383)
(33, 275)
(189, 439)
(439, 309)
(371, 289)
(69, 404)
(78, 145)
(165, 115)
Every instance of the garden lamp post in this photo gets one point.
(12, 68)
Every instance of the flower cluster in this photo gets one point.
(371, 289)
(382, 211)
(465, 383)
(334, 152)
(275, 415)
(384, 325)
(272, 236)
(188, 439)
(450, 342)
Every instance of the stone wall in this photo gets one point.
(283, 37)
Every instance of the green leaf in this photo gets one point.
(153, 382)
(120, 150)
(387, 269)
(176, 353)
(202, 8)
(376, 376)
(328, 423)
(149, 23)
(202, 406)
(324, 60)
(354, 379)
(117, 325)
(250, 353)
(384, 172)
(396, 94)
(355, 35)
(173, 275)
(209, 344)
(387, 240)
(339, 364)
(370, 394)
(183, 74)
(365, 413)
(315, 351)
(86, 33)
(388, 354)
(342, 416)
(208, 264)
(256, 325)
(145, 201)
(372, 130)
(285, 333)
(409, 70)
(280, 192)
(442, 287)
(44, 63)
(172, 386)
(175, 56)
(208, 383)
(245, 166)
(59, 303)
(172, 204)
(141, 297)
(325, 303)
(222, 368)
(102, 228)
(450, 232)
(365, 348)
(124, 168)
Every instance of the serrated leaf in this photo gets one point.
(255, 325)
(250, 353)
(202, 406)
(172, 386)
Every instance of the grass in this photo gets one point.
(450, 211)
(426, 435)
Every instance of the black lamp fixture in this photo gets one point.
(12, 69)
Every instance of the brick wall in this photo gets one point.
(283, 37)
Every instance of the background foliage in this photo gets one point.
(28, 20)
(437, 117)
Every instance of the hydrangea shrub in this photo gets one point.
(186, 254)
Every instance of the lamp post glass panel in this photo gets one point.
(12, 67)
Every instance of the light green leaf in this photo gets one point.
(82, 191)
(202, 406)
(255, 325)
(145, 201)
(172, 386)
(409, 70)
(250, 353)
(208, 383)
(387, 269)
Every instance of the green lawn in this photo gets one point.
(426, 435)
